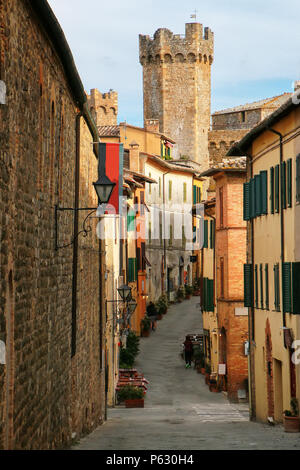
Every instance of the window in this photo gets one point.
(243, 116)
(277, 188)
(132, 269)
(130, 221)
(205, 244)
(264, 191)
(276, 288)
(184, 192)
(272, 194)
(257, 189)
(194, 194)
(170, 190)
(212, 234)
(289, 182)
(283, 185)
(221, 207)
(298, 178)
(248, 285)
(246, 200)
(295, 288)
(267, 285)
(222, 290)
(261, 287)
(287, 287)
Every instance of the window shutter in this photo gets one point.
(195, 194)
(246, 201)
(252, 198)
(194, 234)
(204, 294)
(283, 185)
(130, 221)
(161, 150)
(277, 188)
(138, 259)
(257, 187)
(276, 287)
(184, 192)
(272, 190)
(289, 182)
(286, 287)
(264, 191)
(170, 190)
(267, 285)
(131, 270)
(205, 245)
(298, 178)
(248, 285)
(210, 283)
(212, 234)
(295, 287)
(261, 287)
(256, 287)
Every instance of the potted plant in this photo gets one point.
(180, 295)
(196, 287)
(145, 326)
(132, 396)
(199, 359)
(207, 373)
(291, 418)
(188, 291)
(213, 385)
(162, 304)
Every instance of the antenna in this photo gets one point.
(194, 16)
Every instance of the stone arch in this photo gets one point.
(143, 60)
(200, 58)
(113, 111)
(179, 58)
(223, 144)
(211, 59)
(191, 58)
(212, 145)
(157, 59)
(150, 59)
(167, 59)
(205, 58)
(102, 111)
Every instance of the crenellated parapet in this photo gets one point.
(104, 107)
(167, 48)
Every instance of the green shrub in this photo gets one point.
(129, 392)
(162, 304)
(126, 357)
(189, 290)
(132, 344)
(146, 323)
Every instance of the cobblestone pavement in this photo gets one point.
(180, 413)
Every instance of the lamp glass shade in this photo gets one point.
(104, 187)
(124, 292)
(131, 307)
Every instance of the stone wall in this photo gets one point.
(220, 141)
(37, 151)
(177, 87)
(104, 107)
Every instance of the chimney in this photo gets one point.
(134, 157)
(152, 125)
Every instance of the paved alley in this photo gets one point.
(180, 412)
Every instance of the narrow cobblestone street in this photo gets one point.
(180, 412)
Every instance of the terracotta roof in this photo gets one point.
(274, 102)
(227, 164)
(109, 131)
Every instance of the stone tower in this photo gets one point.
(177, 87)
(104, 107)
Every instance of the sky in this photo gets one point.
(256, 45)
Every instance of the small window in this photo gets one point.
(243, 116)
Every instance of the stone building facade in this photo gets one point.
(52, 382)
(104, 107)
(177, 87)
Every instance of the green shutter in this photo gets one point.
(276, 288)
(161, 149)
(256, 287)
(246, 201)
(267, 285)
(295, 287)
(195, 194)
(252, 198)
(212, 234)
(248, 285)
(194, 234)
(204, 295)
(132, 269)
(184, 192)
(205, 245)
(130, 221)
(277, 188)
(298, 178)
(286, 287)
(261, 287)
(264, 191)
(283, 184)
(257, 187)
(272, 198)
(289, 182)
(210, 306)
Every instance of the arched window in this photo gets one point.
(179, 58)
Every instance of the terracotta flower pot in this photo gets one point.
(135, 403)
(207, 378)
(188, 297)
(202, 370)
(145, 333)
(291, 423)
(159, 316)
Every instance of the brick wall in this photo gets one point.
(37, 142)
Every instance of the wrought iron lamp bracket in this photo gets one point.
(85, 229)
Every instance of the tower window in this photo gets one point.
(243, 116)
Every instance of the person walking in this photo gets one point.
(188, 350)
(152, 314)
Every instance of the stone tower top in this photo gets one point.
(104, 107)
(166, 47)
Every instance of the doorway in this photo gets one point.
(278, 410)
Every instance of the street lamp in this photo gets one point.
(124, 292)
(131, 306)
(104, 188)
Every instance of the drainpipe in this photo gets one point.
(281, 221)
(164, 225)
(75, 244)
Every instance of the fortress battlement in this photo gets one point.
(166, 47)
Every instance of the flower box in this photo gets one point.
(134, 403)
